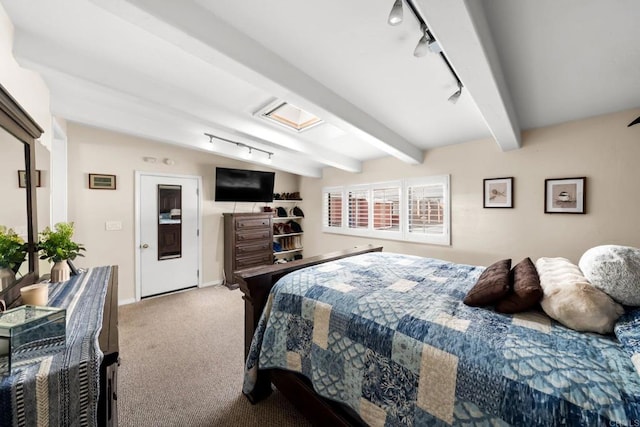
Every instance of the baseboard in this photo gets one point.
(202, 285)
(212, 283)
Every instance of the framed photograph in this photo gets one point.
(498, 193)
(22, 179)
(565, 195)
(102, 182)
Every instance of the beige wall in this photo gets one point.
(94, 150)
(26, 86)
(603, 149)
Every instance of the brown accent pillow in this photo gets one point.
(527, 291)
(492, 285)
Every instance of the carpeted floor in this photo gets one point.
(182, 364)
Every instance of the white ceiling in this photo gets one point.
(173, 70)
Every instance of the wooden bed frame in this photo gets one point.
(256, 283)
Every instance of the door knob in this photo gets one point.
(144, 246)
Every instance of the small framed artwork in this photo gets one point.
(22, 179)
(498, 193)
(99, 181)
(565, 195)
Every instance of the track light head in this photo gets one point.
(434, 46)
(422, 48)
(456, 95)
(395, 17)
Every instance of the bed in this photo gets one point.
(383, 339)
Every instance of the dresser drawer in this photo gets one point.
(255, 247)
(248, 235)
(242, 223)
(253, 261)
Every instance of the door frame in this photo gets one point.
(138, 182)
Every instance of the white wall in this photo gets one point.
(603, 149)
(94, 150)
(26, 86)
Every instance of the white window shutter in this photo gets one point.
(428, 209)
(358, 209)
(332, 208)
(385, 205)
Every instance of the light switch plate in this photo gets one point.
(113, 225)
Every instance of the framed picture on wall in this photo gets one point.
(565, 195)
(99, 181)
(498, 193)
(22, 179)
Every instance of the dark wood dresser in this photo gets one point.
(108, 340)
(70, 373)
(248, 243)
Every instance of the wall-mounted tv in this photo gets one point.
(240, 185)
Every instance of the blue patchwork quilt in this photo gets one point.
(388, 335)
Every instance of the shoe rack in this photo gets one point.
(290, 241)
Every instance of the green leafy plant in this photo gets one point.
(57, 245)
(13, 249)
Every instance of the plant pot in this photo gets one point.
(60, 272)
(7, 277)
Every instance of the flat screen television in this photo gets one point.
(240, 185)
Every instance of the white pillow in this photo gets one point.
(571, 300)
(614, 270)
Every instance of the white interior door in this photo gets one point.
(169, 237)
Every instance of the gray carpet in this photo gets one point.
(182, 364)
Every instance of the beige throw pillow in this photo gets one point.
(570, 299)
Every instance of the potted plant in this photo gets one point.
(57, 247)
(13, 251)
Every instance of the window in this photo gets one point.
(413, 210)
(386, 208)
(428, 209)
(359, 208)
(289, 116)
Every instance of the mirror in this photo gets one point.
(17, 138)
(14, 197)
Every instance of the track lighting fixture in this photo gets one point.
(456, 95)
(422, 48)
(241, 145)
(427, 41)
(395, 17)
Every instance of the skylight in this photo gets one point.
(289, 116)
